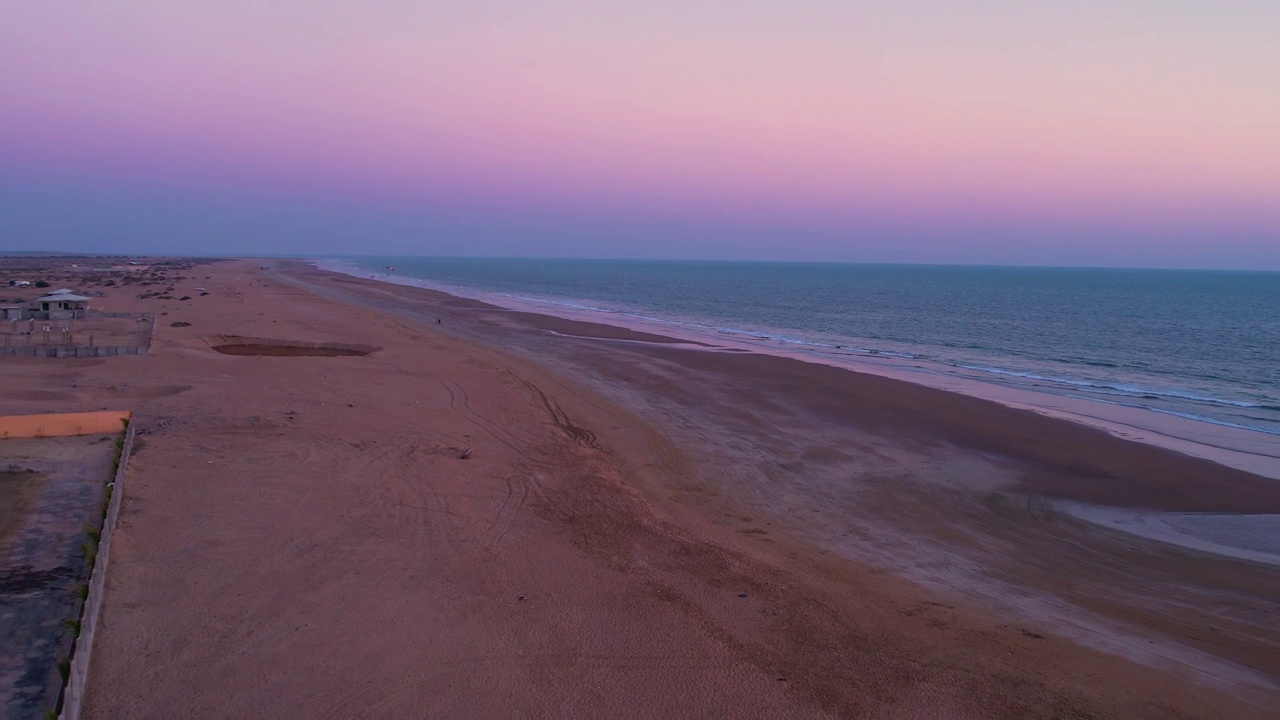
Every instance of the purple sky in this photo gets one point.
(1131, 133)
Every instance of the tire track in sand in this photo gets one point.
(559, 417)
(516, 489)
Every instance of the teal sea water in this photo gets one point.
(1204, 345)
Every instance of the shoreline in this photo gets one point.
(1252, 451)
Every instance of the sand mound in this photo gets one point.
(269, 347)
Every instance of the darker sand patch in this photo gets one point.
(19, 488)
(826, 455)
(286, 350)
(137, 392)
(289, 348)
(47, 395)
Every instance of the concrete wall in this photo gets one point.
(72, 351)
(78, 677)
(60, 424)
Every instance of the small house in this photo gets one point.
(63, 304)
(12, 312)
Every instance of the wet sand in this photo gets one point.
(643, 529)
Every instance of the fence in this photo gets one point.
(57, 341)
(79, 315)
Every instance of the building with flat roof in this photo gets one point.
(63, 304)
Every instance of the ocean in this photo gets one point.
(1202, 345)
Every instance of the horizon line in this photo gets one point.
(888, 263)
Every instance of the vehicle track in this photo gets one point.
(517, 488)
(460, 403)
(559, 417)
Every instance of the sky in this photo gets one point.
(1126, 133)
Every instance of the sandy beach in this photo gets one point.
(357, 499)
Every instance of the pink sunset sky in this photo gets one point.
(1124, 133)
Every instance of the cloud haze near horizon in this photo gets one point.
(1136, 133)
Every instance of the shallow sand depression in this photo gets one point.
(269, 347)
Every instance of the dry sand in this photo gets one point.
(643, 529)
